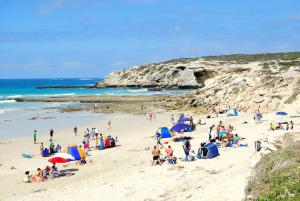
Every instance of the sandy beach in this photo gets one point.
(125, 172)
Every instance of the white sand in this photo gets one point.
(125, 172)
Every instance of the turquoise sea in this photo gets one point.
(14, 88)
(16, 118)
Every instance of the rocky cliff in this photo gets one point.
(243, 81)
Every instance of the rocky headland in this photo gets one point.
(219, 82)
(242, 81)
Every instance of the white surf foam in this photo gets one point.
(7, 101)
(15, 96)
(137, 90)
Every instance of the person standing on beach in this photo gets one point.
(187, 149)
(172, 120)
(51, 147)
(150, 115)
(34, 136)
(51, 134)
(155, 154)
(75, 130)
(41, 148)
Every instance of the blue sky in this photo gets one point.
(90, 38)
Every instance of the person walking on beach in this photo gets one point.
(109, 124)
(75, 130)
(51, 134)
(34, 136)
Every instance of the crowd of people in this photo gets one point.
(42, 174)
(219, 135)
(100, 141)
(223, 135)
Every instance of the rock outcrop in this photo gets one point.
(241, 81)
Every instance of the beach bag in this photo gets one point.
(257, 145)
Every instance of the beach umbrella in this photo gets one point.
(180, 127)
(61, 158)
(281, 113)
(75, 151)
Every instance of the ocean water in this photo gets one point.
(14, 88)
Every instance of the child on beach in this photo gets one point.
(28, 177)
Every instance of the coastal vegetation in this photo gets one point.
(277, 176)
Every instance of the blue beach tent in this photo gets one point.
(232, 112)
(213, 150)
(180, 127)
(164, 132)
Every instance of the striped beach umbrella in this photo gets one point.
(75, 151)
(61, 158)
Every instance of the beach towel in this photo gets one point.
(27, 155)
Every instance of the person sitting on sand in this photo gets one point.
(46, 172)
(45, 153)
(107, 142)
(82, 161)
(202, 151)
(192, 155)
(170, 155)
(38, 177)
(235, 139)
(169, 152)
(101, 144)
(58, 149)
(28, 177)
(155, 153)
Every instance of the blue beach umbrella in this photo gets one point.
(281, 113)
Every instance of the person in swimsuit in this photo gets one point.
(155, 154)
